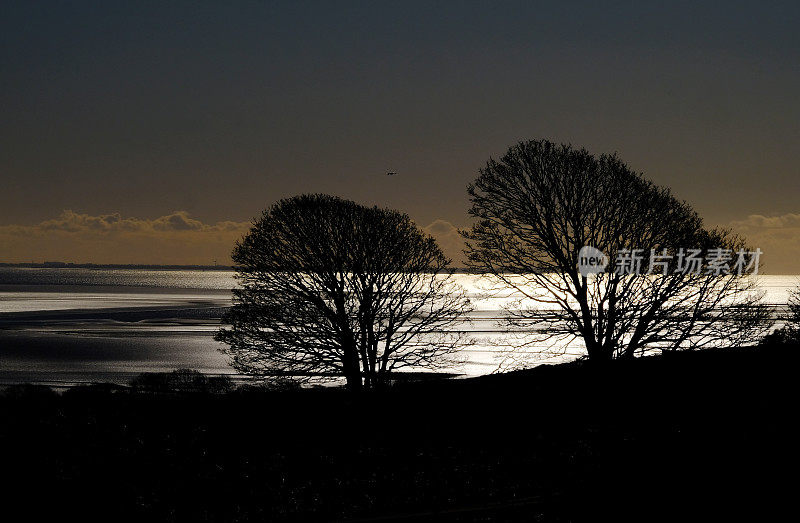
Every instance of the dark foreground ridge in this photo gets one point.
(691, 436)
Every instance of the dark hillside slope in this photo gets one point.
(693, 436)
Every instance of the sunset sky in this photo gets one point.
(153, 132)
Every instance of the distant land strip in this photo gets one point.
(69, 265)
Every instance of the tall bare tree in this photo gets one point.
(333, 288)
(794, 308)
(789, 332)
(541, 203)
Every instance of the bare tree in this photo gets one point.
(333, 288)
(794, 309)
(789, 332)
(541, 203)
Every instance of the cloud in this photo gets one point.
(72, 222)
(448, 238)
(777, 236)
(175, 238)
(789, 220)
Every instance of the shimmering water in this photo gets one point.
(83, 325)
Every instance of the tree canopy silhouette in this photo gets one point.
(539, 204)
(332, 288)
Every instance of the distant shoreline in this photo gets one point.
(134, 266)
(66, 265)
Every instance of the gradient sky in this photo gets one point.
(152, 132)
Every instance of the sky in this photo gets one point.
(153, 132)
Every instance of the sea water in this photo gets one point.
(62, 326)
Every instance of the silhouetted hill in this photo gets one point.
(692, 436)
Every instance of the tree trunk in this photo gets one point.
(353, 374)
(596, 351)
(351, 367)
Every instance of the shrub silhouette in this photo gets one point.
(181, 381)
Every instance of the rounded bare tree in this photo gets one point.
(540, 204)
(330, 288)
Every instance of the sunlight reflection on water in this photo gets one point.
(77, 325)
